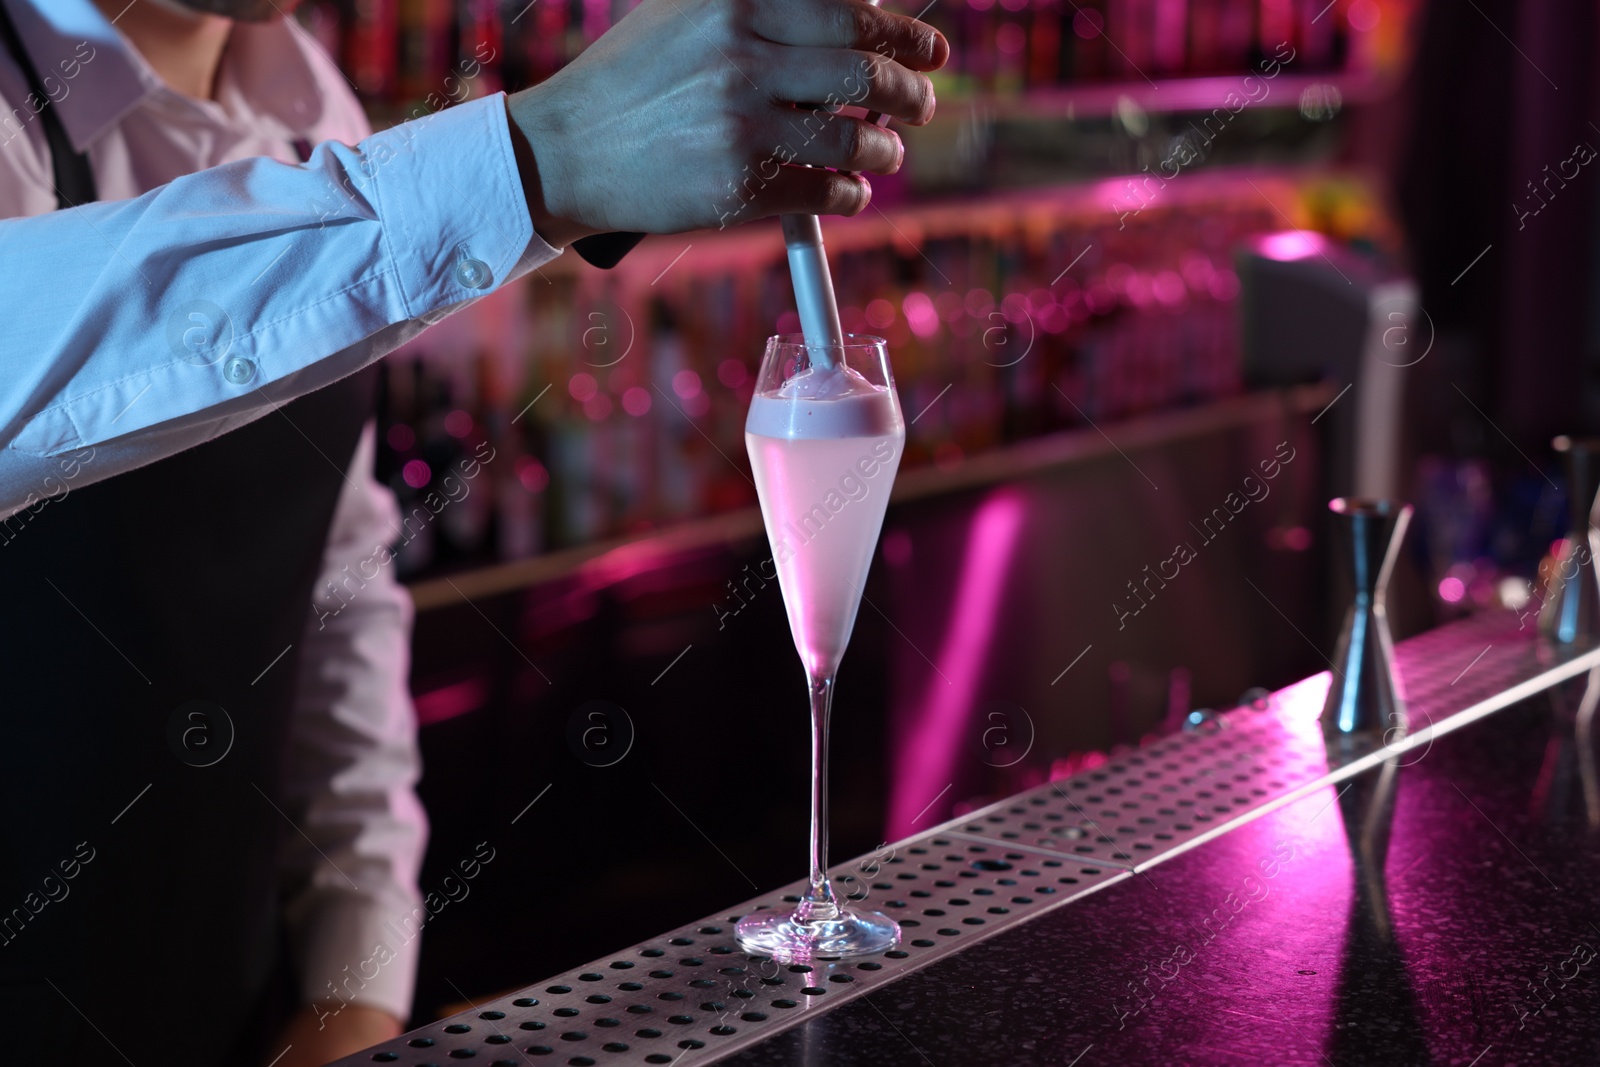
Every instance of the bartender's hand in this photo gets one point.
(343, 1031)
(653, 127)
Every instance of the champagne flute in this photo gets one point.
(825, 435)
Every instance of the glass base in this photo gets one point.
(779, 935)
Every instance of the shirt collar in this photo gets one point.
(111, 80)
(266, 63)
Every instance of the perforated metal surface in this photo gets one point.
(1135, 809)
(693, 996)
(1185, 789)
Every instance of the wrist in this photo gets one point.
(535, 134)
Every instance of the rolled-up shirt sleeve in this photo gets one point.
(139, 328)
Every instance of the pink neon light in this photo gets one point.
(1290, 245)
(447, 702)
(928, 758)
(920, 313)
(624, 562)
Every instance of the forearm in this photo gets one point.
(150, 325)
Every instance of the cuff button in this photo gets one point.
(473, 274)
(238, 370)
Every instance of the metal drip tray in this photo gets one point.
(693, 994)
(1137, 808)
(1185, 789)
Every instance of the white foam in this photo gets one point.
(855, 414)
(830, 382)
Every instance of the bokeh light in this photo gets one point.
(686, 383)
(532, 474)
(416, 473)
(401, 437)
(636, 401)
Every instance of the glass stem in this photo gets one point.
(819, 904)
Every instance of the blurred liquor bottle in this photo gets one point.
(371, 48)
(400, 52)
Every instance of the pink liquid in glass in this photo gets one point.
(823, 499)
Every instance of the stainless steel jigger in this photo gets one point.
(1571, 610)
(1364, 697)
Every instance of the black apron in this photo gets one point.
(139, 901)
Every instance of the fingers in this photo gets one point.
(834, 77)
(851, 24)
(843, 143)
(804, 191)
(789, 179)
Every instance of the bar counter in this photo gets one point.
(1242, 893)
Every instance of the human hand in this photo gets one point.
(698, 113)
(319, 1034)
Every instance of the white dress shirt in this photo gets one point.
(215, 280)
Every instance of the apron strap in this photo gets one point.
(74, 179)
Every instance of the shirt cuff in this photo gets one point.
(357, 950)
(457, 216)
